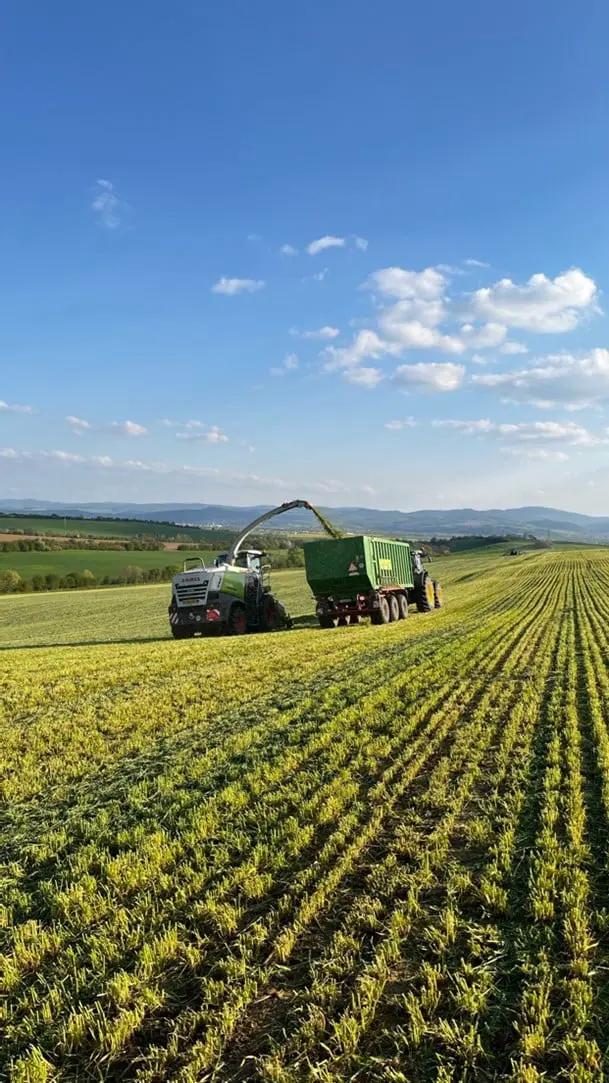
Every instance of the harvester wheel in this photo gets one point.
(425, 595)
(270, 616)
(403, 604)
(237, 621)
(382, 615)
(438, 594)
(394, 608)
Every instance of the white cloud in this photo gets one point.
(63, 456)
(321, 333)
(325, 242)
(536, 453)
(405, 285)
(483, 338)
(8, 453)
(541, 304)
(288, 250)
(231, 286)
(401, 423)
(568, 431)
(525, 431)
(126, 428)
(468, 428)
(364, 377)
(513, 348)
(478, 359)
(107, 204)
(558, 380)
(430, 376)
(254, 237)
(475, 263)
(415, 335)
(361, 243)
(365, 344)
(78, 423)
(15, 408)
(211, 435)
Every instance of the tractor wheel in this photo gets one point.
(382, 614)
(237, 621)
(327, 622)
(394, 608)
(403, 604)
(438, 594)
(425, 595)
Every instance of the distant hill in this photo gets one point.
(426, 523)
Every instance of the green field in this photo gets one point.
(372, 854)
(99, 561)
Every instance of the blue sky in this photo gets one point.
(432, 336)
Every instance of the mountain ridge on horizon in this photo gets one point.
(424, 522)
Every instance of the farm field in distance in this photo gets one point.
(99, 561)
(374, 854)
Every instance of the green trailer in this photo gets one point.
(361, 576)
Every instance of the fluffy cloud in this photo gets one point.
(365, 344)
(541, 304)
(401, 423)
(321, 333)
(512, 348)
(231, 286)
(526, 431)
(315, 247)
(15, 408)
(404, 285)
(288, 250)
(469, 428)
(410, 334)
(364, 377)
(560, 380)
(430, 376)
(211, 435)
(485, 337)
(107, 204)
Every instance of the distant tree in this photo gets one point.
(88, 578)
(133, 574)
(10, 581)
(52, 581)
(38, 582)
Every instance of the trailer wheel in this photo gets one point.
(403, 604)
(394, 608)
(382, 614)
(425, 595)
(237, 621)
(327, 622)
(438, 594)
(354, 618)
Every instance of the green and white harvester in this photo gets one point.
(351, 576)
